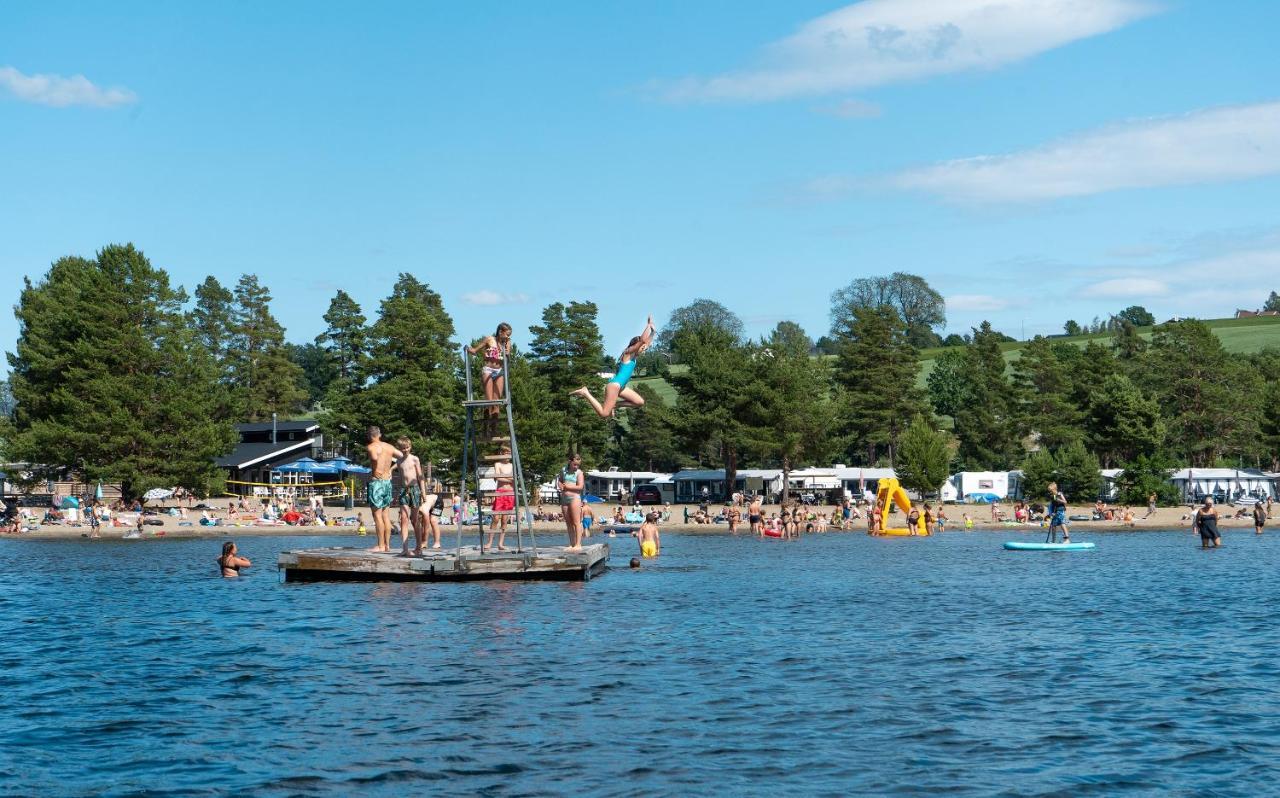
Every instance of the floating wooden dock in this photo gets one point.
(442, 565)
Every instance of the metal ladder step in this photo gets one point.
(484, 402)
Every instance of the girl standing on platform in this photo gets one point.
(496, 347)
(570, 484)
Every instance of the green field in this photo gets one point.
(1240, 336)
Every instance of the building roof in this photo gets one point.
(611, 474)
(247, 454)
(1220, 473)
(301, 425)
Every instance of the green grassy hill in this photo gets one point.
(1240, 336)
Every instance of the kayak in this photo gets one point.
(1017, 545)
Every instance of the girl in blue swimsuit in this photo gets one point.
(616, 389)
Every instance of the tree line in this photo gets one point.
(118, 375)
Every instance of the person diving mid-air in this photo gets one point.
(616, 389)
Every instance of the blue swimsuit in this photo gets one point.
(624, 373)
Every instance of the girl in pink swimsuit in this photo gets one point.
(496, 347)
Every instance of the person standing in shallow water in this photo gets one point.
(231, 562)
(1206, 523)
(1259, 518)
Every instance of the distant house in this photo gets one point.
(613, 483)
(1249, 314)
(267, 445)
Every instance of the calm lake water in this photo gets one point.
(835, 665)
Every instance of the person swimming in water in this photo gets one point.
(616, 389)
(230, 562)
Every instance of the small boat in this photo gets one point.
(1018, 545)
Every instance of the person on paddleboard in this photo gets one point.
(1058, 515)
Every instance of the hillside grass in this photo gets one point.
(1238, 336)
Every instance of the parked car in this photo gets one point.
(647, 494)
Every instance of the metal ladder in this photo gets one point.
(471, 460)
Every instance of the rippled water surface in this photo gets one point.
(834, 665)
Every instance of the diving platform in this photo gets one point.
(347, 564)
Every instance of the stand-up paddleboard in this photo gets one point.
(1017, 545)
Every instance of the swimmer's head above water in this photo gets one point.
(635, 562)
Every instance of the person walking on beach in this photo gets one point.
(382, 458)
(412, 490)
(231, 562)
(570, 483)
(616, 389)
(1058, 515)
(1206, 523)
(1259, 518)
(1151, 506)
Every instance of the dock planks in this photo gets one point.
(445, 565)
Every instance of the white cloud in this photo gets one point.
(62, 92)
(975, 302)
(487, 297)
(1215, 145)
(850, 109)
(877, 42)
(1124, 287)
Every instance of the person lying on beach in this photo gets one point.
(230, 562)
(650, 539)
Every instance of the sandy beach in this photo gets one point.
(1164, 519)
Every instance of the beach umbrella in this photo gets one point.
(352, 468)
(157, 494)
(306, 465)
(591, 498)
(70, 502)
(97, 493)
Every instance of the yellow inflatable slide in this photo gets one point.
(890, 491)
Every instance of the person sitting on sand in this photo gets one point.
(231, 562)
(291, 517)
(650, 539)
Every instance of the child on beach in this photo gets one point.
(650, 540)
(1058, 515)
(968, 523)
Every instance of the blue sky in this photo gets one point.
(1035, 161)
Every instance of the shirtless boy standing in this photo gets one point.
(411, 493)
(753, 515)
(650, 540)
(382, 458)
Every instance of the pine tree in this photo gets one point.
(1126, 341)
(566, 351)
(110, 381)
(718, 396)
(345, 340)
(541, 432)
(924, 457)
(877, 367)
(947, 387)
(989, 425)
(1079, 475)
(1205, 398)
(414, 371)
(1272, 303)
(1038, 470)
(1122, 423)
(648, 442)
(317, 371)
(1044, 388)
(796, 415)
(211, 318)
(266, 380)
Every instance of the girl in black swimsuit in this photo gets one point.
(230, 563)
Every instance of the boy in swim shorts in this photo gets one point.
(650, 539)
(382, 458)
